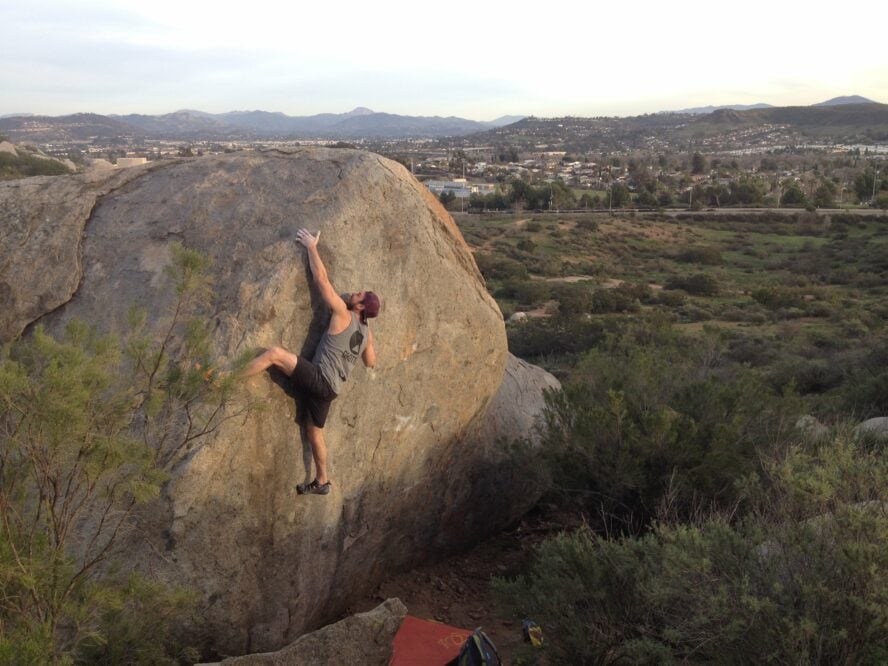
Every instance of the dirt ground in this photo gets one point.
(456, 590)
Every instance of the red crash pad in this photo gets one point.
(425, 643)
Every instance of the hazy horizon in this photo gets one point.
(114, 58)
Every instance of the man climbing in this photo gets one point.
(347, 337)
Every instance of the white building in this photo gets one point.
(460, 187)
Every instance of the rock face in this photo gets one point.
(42, 221)
(876, 428)
(365, 638)
(407, 440)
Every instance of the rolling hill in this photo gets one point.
(189, 124)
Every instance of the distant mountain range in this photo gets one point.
(850, 117)
(189, 124)
(835, 101)
(700, 110)
(723, 129)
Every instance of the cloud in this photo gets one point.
(483, 60)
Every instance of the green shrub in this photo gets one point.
(587, 224)
(527, 293)
(698, 284)
(777, 297)
(526, 245)
(799, 579)
(499, 268)
(672, 298)
(555, 336)
(90, 427)
(708, 256)
(653, 410)
(573, 299)
(24, 165)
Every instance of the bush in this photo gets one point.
(23, 165)
(799, 579)
(653, 410)
(554, 336)
(587, 224)
(90, 427)
(708, 256)
(499, 268)
(526, 245)
(778, 297)
(573, 299)
(698, 284)
(672, 298)
(806, 376)
(527, 293)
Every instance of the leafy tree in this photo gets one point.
(863, 185)
(647, 198)
(562, 196)
(792, 194)
(698, 163)
(825, 194)
(716, 194)
(508, 154)
(747, 192)
(588, 201)
(619, 195)
(80, 449)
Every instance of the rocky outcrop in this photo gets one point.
(42, 221)
(875, 428)
(365, 638)
(811, 427)
(416, 456)
(507, 479)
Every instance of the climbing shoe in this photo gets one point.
(313, 488)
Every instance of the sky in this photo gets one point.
(478, 60)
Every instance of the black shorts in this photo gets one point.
(317, 395)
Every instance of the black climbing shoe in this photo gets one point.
(314, 488)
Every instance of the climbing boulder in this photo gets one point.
(406, 439)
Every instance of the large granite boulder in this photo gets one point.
(414, 450)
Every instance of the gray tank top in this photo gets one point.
(336, 354)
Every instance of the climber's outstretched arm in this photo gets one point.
(319, 273)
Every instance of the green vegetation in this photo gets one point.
(90, 426)
(688, 347)
(24, 164)
(797, 576)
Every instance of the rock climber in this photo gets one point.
(319, 380)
